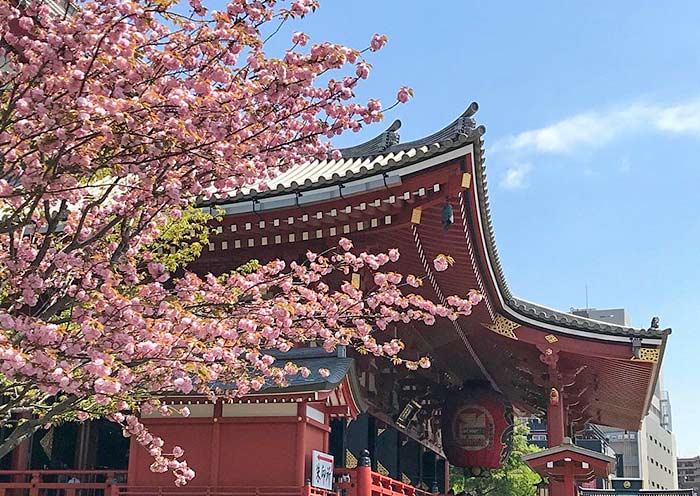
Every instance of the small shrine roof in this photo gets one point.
(314, 359)
(568, 447)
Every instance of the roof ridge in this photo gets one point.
(376, 145)
(464, 124)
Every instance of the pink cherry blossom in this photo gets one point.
(440, 263)
(345, 244)
(404, 94)
(300, 38)
(116, 122)
(378, 41)
(393, 254)
(362, 70)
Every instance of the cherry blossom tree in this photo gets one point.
(116, 118)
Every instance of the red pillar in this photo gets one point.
(301, 444)
(569, 488)
(364, 475)
(555, 419)
(216, 444)
(20, 455)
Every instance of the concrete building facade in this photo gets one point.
(650, 453)
(689, 474)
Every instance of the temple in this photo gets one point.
(383, 429)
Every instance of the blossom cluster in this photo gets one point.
(115, 117)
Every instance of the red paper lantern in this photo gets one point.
(477, 427)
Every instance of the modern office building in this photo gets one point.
(689, 474)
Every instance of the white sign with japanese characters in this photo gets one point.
(321, 470)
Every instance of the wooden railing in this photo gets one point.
(210, 491)
(224, 491)
(362, 481)
(60, 482)
(359, 481)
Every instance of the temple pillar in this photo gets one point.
(569, 486)
(338, 442)
(443, 475)
(555, 418)
(429, 472)
(20, 455)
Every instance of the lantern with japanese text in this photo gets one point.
(477, 428)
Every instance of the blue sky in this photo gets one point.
(592, 112)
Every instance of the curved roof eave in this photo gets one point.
(524, 308)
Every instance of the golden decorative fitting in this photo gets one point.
(466, 180)
(651, 355)
(382, 469)
(415, 215)
(551, 338)
(503, 326)
(405, 479)
(350, 460)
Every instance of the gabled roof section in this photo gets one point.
(379, 155)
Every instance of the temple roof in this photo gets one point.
(385, 159)
(381, 154)
(314, 359)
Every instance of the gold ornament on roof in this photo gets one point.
(650, 355)
(503, 326)
(551, 338)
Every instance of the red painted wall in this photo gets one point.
(195, 438)
(260, 453)
(235, 451)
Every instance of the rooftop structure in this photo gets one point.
(425, 197)
(689, 474)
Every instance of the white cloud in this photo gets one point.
(595, 129)
(680, 119)
(515, 177)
